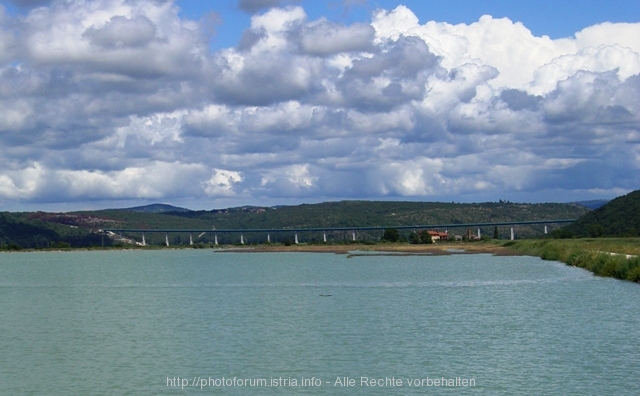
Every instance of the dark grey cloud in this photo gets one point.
(268, 78)
(250, 37)
(122, 32)
(395, 74)
(520, 100)
(254, 6)
(591, 112)
(326, 38)
(404, 58)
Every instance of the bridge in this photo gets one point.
(324, 230)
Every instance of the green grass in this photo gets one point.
(593, 254)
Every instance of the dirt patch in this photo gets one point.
(434, 250)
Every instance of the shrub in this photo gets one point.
(580, 258)
(550, 252)
(634, 270)
(613, 267)
(12, 247)
(391, 235)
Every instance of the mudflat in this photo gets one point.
(395, 248)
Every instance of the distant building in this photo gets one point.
(438, 236)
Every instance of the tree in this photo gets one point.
(421, 237)
(496, 235)
(414, 238)
(391, 235)
(425, 237)
(596, 230)
(562, 233)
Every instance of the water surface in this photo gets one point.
(132, 322)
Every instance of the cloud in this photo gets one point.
(221, 183)
(289, 181)
(126, 100)
(81, 70)
(393, 76)
(154, 180)
(253, 6)
(122, 32)
(141, 39)
(323, 38)
(263, 80)
(522, 60)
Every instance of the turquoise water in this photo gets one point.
(135, 322)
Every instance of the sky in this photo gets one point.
(213, 104)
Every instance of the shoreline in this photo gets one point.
(595, 255)
(622, 264)
(443, 249)
(394, 249)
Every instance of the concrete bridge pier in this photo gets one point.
(268, 238)
(144, 242)
(241, 239)
(215, 239)
(166, 238)
(324, 236)
(479, 233)
(296, 239)
(190, 239)
(353, 236)
(512, 236)
(546, 231)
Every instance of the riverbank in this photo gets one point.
(439, 249)
(612, 257)
(436, 249)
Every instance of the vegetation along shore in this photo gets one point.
(613, 257)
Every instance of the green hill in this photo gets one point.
(157, 208)
(382, 213)
(619, 217)
(40, 229)
(28, 230)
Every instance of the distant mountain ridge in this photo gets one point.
(593, 204)
(156, 208)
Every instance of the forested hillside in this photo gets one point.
(27, 230)
(377, 213)
(384, 213)
(39, 229)
(619, 217)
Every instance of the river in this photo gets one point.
(194, 321)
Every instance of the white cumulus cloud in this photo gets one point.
(114, 99)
